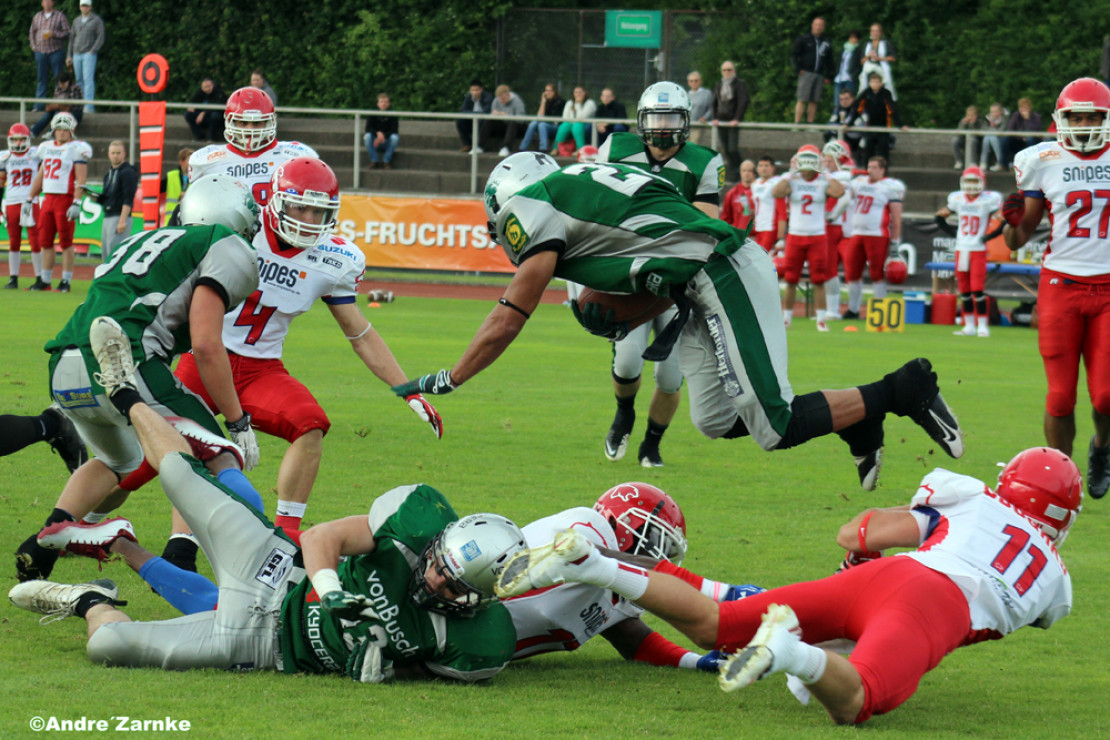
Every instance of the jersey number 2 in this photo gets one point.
(1019, 538)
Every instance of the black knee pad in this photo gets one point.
(624, 381)
(810, 417)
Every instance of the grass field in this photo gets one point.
(524, 439)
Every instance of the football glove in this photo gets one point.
(438, 385)
(243, 435)
(73, 212)
(711, 662)
(735, 593)
(27, 214)
(853, 558)
(1013, 209)
(427, 412)
(367, 664)
(595, 323)
(349, 606)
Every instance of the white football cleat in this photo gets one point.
(768, 651)
(205, 445)
(112, 349)
(982, 331)
(89, 540)
(967, 331)
(57, 600)
(547, 565)
(822, 326)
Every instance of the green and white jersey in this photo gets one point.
(697, 171)
(148, 287)
(617, 229)
(402, 521)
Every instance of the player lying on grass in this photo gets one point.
(985, 564)
(622, 230)
(414, 596)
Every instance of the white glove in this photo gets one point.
(427, 413)
(242, 435)
(375, 668)
(779, 246)
(73, 212)
(27, 215)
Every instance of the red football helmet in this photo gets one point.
(972, 181)
(896, 271)
(808, 159)
(588, 154)
(1085, 95)
(250, 123)
(1045, 485)
(840, 153)
(304, 187)
(645, 520)
(19, 138)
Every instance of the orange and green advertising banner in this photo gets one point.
(421, 233)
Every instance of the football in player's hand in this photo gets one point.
(633, 309)
(896, 272)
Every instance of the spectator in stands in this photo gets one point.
(1023, 119)
(66, 89)
(730, 102)
(85, 39)
(478, 100)
(259, 80)
(505, 103)
(551, 104)
(841, 115)
(851, 62)
(206, 124)
(117, 197)
(878, 56)
(701, 108)
(610, 108)
(970, 122)
(812, 60)
(381, 137)
(174, 184)
(995, 120)
(739, 206)
(581, 107)
(877, 106)
(49, 29)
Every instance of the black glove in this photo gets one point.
(595, 323)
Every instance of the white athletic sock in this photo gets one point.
(879, 289)
(787, 316)
(809, 663)
(629, 581)
(93, 517)
(13, 264)
(67, 275)
(832, 296)
(983, 320)
(855, 296)
(36, 263)
(822, 314)
(291, 508)
(47, 275)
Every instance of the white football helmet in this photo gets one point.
(249, 105)
(840, 153)
(1084, 95)
(220, 199)
(510, 176)
(64, 121)
(470, 554)
(663, 115)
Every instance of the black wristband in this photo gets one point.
(505, 302)
(242, 425)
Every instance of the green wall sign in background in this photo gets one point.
(639, 29)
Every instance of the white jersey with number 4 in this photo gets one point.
(807, 205)
(289, 282)
(973, 214)
(764, 203)
(253, 170)
(563, 617)
(1076, 191)
(20, 169)
(57, 165)
(1009, 571)
(871, 211)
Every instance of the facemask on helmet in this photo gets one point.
(1045, 485)
(972, 181)
(808, 159)
(509, 177)
(250, 123)
(63, 121)
(1085, 95)
(663, 116)
(220, 199)
(646, 521)
(839, 152)
(469, 555)
(19, 138)
(304, 202)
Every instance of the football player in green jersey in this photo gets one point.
(660, 146)
(413, 597)
(169, 290)
(621, 230)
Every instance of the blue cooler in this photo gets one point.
(915, 306)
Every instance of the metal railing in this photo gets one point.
(357, 115)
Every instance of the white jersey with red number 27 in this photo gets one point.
(1076, 191)
(253, 170)
(20, 170)
(764, 203)
(1009, 571)
(973, 214)
(57, 165)
(807, 205)
(871, 212)
(564, 617)
(290, 281)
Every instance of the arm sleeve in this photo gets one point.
(944, 226)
